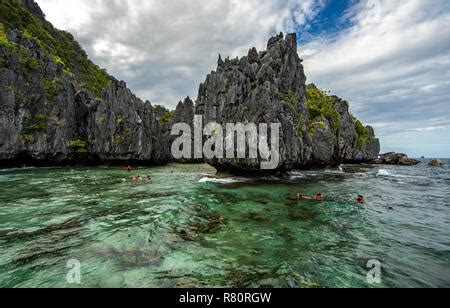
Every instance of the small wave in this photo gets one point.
(218, 181)
(295, 175)
(386, 173)
(383, 172)
(302, 175)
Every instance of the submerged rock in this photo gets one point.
(354, 170)
(395, 159)
(209, 223)
(258, 218)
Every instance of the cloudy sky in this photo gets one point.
(390, 59)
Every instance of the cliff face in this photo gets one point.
(269, 87)
(56, 106)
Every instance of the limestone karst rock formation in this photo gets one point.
(57, 107)
(270, 87)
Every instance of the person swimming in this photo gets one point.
(303, 197)
(149, 180)
(361, 200)
(129, 168)
(319, 197)
(136, 178)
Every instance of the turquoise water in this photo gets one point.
(187, 230)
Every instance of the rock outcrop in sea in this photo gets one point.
(436, 163)
(395, 159)
(270, 87)
(57, 107)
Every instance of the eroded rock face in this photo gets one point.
(47, 117)
(396, 159)
(269, 87)
(55, 113)
(34, 8)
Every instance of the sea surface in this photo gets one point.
(189, 229)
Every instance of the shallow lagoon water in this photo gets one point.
(188, 230)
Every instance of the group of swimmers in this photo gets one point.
(319, 198)
(139, 178)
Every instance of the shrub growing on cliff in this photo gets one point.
(40, 123)
(291, 98)
(3, 63)
(78, 145)
(102, 119)
(321, 105)
(52, 89)
(363, 134)
(120, 120)
(26, 61)
(3, 37)
(28, 139)
(167, 118)
(59, 61)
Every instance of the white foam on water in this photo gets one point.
(386, 173)
(383, 172)
(295, 175)
(218, 181)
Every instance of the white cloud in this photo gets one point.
(395, 70)
(163, 49)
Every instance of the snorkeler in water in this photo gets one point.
(303, 197)
(361, 200)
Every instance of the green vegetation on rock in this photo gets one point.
(3, 63)
(102, 119)
(290, 98)
(4, 42)
(52, 88)
(300, 125)
(18, 97)
(312, 126)
(78, 145)
(60, 44)
(120, 120)
(363, 134)
(40, 123)
(167, 118)
(27, 139)
(119, 140)
(321, 105)
(26, 61)
(59, 61)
